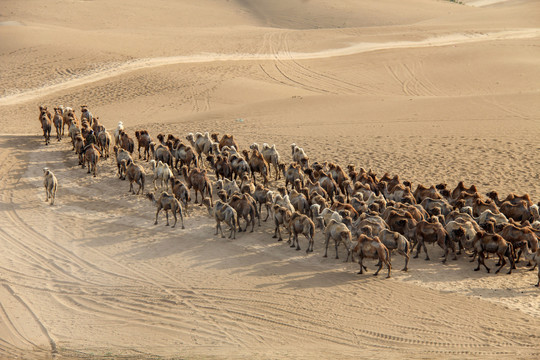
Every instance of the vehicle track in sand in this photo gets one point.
(116, 69)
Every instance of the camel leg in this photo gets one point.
(173, 210)
(407, 258)
(418, 247)
(326, 245)
(157, 212)
(360, 262)
(167, 215)
(538, 283)
(379, 269)
(503, 262)
(337, 244)
(512, 263)
(425, 250)
(389, 265)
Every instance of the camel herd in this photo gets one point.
(370, 216)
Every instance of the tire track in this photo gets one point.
(115, 69)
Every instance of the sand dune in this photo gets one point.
(434, 91)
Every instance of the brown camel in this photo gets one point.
(372, 248)
(198, 180)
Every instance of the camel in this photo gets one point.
(201, 143)
(422, 193)
(222, 212)
(281, 215)
(51, 185)
(301, 224)
(184, 154)
(491, 243)
(257, 164)
(86, 114)
(243, 204)
(338, 175)
(299, 202)
(299, 156)
(119, 128)
(143, 141)
(239, 165)
(43, 111)
(518, 211)
(230, 186)
(68, 118)
(461, 188)
(461, 230)
(121, 155)
(328, 184)
(57, 121)
(261, 195)
(162, 172)
(226, 140)
(271, 156)
(167, 202)
(134, 173)
(246, 186)
(340, 233)
(512, 198)
(479, 206)
(430, 204)
(198, 180)
(46, 125)
(181, 192)
(73, 131)
(490, 216)
(395, 241)
(342, 206)
(104, 142)
(293, 173)
(162, 153)
(222, 166)
(433, 232)
(519, 237)
(323, 217)
(91, 157)
(126, 142)
(372, 247)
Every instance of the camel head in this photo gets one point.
(46, 171)
(150, 196)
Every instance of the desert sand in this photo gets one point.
(435, 91)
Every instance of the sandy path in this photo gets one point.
(113, 70)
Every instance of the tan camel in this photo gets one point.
(222, 212)
(281, 217)
(301, 224)
(372, 248)
(167, 202)
(121, 155)
(91, 157)
(104, 141)
(433, 232)
(395, 241)
(340, 233)
(51, 185)
(46, 125)
(57, 121)
(513, 198)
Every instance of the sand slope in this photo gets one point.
(431, 90)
